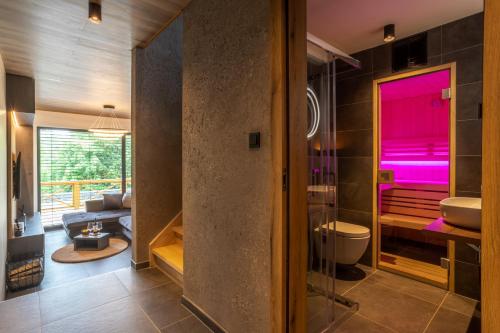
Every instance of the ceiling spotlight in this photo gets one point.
(389, 33)
(95, 12)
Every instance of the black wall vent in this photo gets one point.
(409, 52)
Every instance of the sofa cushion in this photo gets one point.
(112, 201)
(81, 219)
(94, 205)
(73, 223)
(126, 222)
(127, 200)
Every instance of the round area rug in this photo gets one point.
(68, 255)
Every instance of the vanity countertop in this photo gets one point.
(440, 229)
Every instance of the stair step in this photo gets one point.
(172, 254)
(179, 231)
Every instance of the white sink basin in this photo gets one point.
(462, 212)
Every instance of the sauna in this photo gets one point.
(414, 117)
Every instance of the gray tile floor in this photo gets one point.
(392, 303)
(57, 273)
(122, 301)
(104, 297)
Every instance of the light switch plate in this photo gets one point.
(254, 140)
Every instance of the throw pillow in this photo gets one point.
(112, 201)
(127, 200)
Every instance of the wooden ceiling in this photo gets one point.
(78, 66)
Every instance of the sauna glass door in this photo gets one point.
(413, 173)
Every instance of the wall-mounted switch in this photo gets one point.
(254, 140)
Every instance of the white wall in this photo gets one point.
(60, 120)
(3, 180)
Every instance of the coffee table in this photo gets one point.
(91, 242)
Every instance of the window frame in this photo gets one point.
(123, 160)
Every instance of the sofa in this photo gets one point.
(109, 210)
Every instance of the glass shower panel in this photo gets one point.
(321, 195)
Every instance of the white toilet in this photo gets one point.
(351, 242)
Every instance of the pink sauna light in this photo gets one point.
(415, 128)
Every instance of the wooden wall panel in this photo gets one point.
(490, 254)
(297, 165)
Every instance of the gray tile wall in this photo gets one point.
(460, 41)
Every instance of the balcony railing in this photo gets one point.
(62, 197)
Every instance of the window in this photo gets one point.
(76, 166)
(128, 162)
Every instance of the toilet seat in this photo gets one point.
(349, 230)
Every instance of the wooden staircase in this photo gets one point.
(166, 250)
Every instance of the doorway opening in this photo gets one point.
(414, 150)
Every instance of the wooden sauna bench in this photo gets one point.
(412, 206)
(416, 269)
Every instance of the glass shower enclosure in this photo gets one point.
(322, 181)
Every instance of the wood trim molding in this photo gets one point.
(490, 251)
(417, 72)
(202, 316)
(376, 149)
(145, 44)
(297, 164)
(139, 265)
(453, 167)
(278, 228)
(136, 89)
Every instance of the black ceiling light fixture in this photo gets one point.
(95, 12)
(389, 33)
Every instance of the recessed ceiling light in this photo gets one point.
(389, 33)
(95, 12)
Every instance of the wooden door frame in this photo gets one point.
(490, 235)
(278, 228)
(376, 236)
(289, 145)
(293, 172)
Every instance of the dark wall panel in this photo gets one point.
(459, 41)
